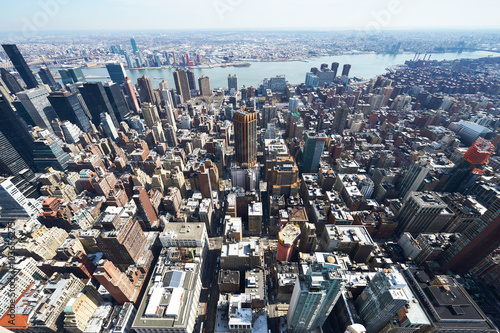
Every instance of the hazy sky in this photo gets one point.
(30, 15)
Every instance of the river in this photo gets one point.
(364, 65)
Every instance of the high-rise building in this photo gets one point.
(116, 72)
(150, 114)
(346, 69)
(21, 66)
(419, 212)
(116, 282)
(339, 121)
(313, 149)
(70, 106)
(317, 289)
(117, 100)
(414, 177)
(470, 167)
(109, 128)
(204, 83)
(182, 84)
(335, 68)
(48, 153)
(232, 82)
(38, 107)
(245, 136)
(11, 162)
(97, 101)
(134, 45)
(383, 297)
(145, 209)
(130, 91)
(47, 77)
(287, 242)
(14, 204)
(146, 90)
(10, 81)
(191, 80)
(72, 75)
(16, 131)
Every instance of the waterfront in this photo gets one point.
(364, 65)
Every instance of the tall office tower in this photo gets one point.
(130, 64)
(171, 136)
(335, 68)
(204, 83)
(232, 82)
(312, 80)
(130, 91)
(287, 242)
(191, 80)
(313, 149)
(116, 282)
(21, 66)
(293, 104)
(107, 125)
(169, 108)
(16, 131)
(146, 90)
(346, 69)
(97, 101)
(116, 72)
(150, 114)
(419, 212)
(163, 85)
(48, 153)
(470, 167)
(71, 132)
(317, 289)
(117, 100)
(134, 45)
(14, 203)
(72, 75)
(10, 81)
(340, 119)
(69, 106)
(268, 114)
(384, 296)
(47, 77)
(414, 177)
(37, 105)
(11, 162)
(145, 209)
(245, 136)
(476, 242)
(182, 84)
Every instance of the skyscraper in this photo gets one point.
(37, 105)
(146, 90)
(346, 69)
(48, 153)
(204, 83)
(21, 66)
(72, 75)
(117, 100)
(340, 119)
(419, 212)
(10, 81)
(182, 84)
(232, 82)
(313, 149)
(11, 162)
(116, 282)
(245, 136)
(130, 91)
(47, 77)
(414, 177)
(109, 128)
(288, 238)
(317, 289)
(116, 72)
(97, 101)
(191, 80)
(150, 114)
(134, 45)
(386, 294)
(335, 68)
(16, 131)
(70, 106)
(145, 209)
(470, 167)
